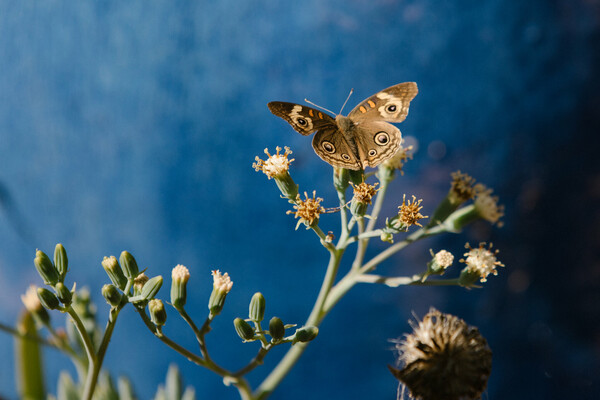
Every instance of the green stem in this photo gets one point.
(90, 382)
(395, 281)
(316, 316)
(92, 377)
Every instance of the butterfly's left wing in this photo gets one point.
(389, 105)
(376, 142)
(304, 120)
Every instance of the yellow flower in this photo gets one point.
(307, 210)
(276, 165)
(481, 261)
(409, 213)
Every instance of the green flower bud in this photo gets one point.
(257, 307)
(45, 268)
(243, 329)
(158, 314)
(48, 299)
(152, 287)
(387, 237)
(33, 304)
(276, 329)
(61, 261)
(222, 284)
(179, 278)
(305, 334)
(440, 261)
(461, 218)
(129, 265)
(112, 295)
(114, 272)
(63, 293)
(341, 179)
(356, 176)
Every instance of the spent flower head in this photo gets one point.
(409, 212)
(487, 206)
(443, 359)
(462, 188)
(480, 261)
(363, 192)
(275, 165)
(307, 210)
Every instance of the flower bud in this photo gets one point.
(276, 329)
(45, 268)
(112, 295)
(158, 314)
(341, 179)
(305, 334)
(243, 329)
(129, 265)
(257, 307)
(61, 261)
(47, 299)
(152, 287)
(387, 237)
(114, 272)
(439, 262)
(63, 293)
(179, 278)
(221, 286)
(138, 283)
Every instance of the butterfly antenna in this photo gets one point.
(347, 98)
(322, 108)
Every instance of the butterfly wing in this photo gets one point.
(376, 142)
(389, 105)
(304, 120)
(331, 145)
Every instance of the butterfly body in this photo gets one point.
(362, 139)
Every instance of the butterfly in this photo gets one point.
(362, 139)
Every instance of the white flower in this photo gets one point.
(481, 261)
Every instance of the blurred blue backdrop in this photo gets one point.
(133, 126)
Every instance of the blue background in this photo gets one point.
(133, 125)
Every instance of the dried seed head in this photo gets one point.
(443, 359)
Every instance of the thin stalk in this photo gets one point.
(316, 316)
(92, 378)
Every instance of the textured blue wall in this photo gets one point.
(133, 125)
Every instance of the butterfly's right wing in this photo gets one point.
(304, 120)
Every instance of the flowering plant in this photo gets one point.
(439, 343)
